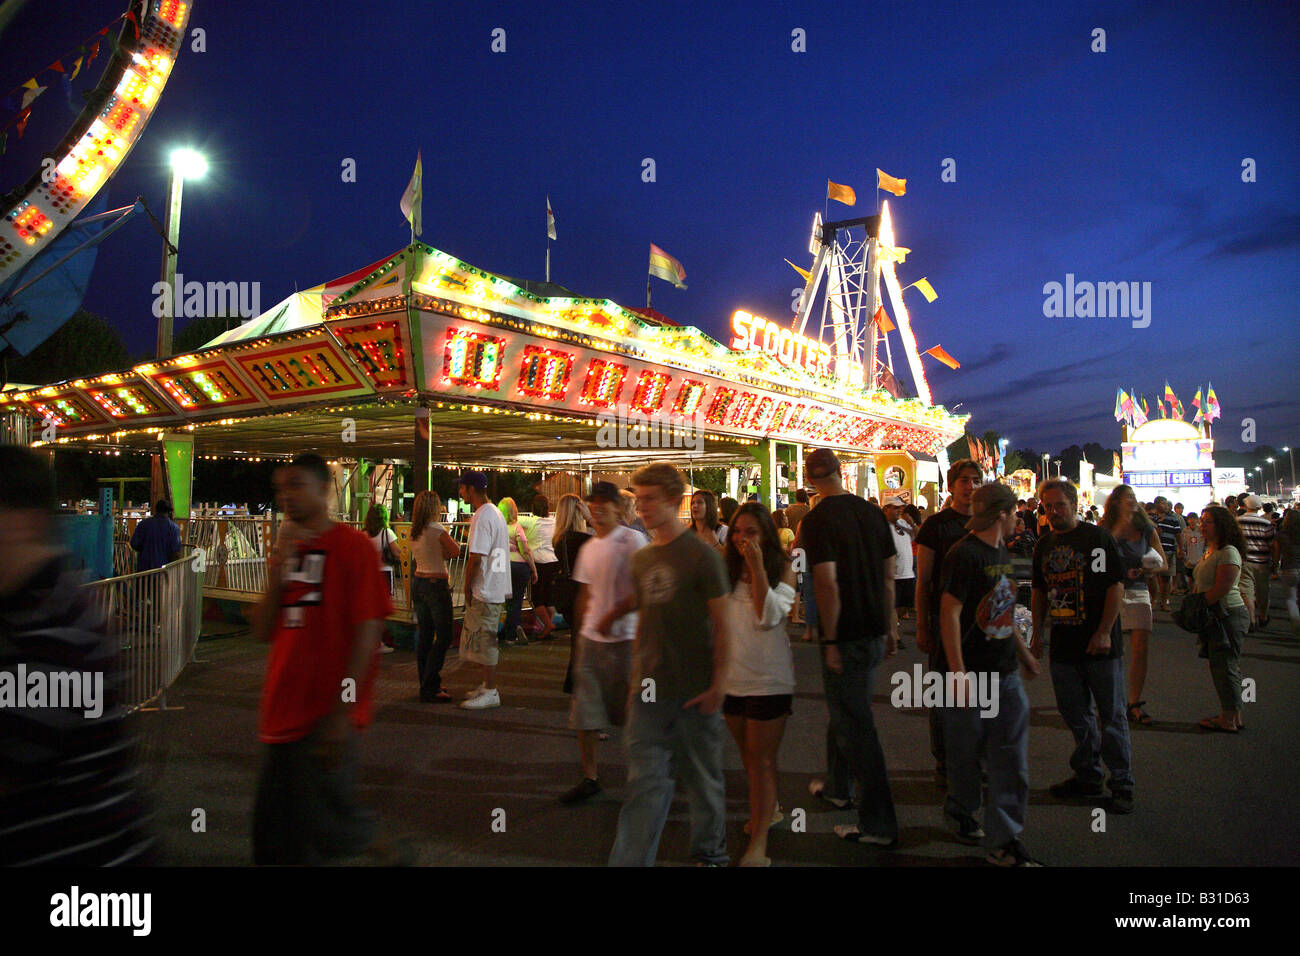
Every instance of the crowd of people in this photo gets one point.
(680, 638)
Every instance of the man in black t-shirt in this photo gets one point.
(981, 647)
(850, 551)
(1078, 584)
(939, 533)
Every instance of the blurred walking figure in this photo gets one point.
(603, 652)
(569, 537)
(384, 538)
(675, 727)
(760, 682)
(1288, 543)
(523, 571)
(68, 789)
(1261, 555)
(487, 586)
(323, 612)
(1170, 527)
(851, 555)
(156, 539)
(1136, 537)
(431, 548)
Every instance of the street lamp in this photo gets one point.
(1046, 459)
(1274, 464)
(184, 164)
(1291, 455)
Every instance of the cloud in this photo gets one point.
(1281, 232)
(997, 355)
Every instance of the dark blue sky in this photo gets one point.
(1115, 166)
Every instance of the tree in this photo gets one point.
(200, 331)
(85, 345)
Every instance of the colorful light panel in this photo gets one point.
(722, 400)
(472, 359)
(377, 348)
(651, 389)
(689, 397)
(604, 383)
(545, 373)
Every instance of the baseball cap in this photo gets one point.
(1253, 503)
(473, 479)
(604, 491)
(821, 463)
(987, 504)
(894, 500)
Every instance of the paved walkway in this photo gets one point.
(438, 773)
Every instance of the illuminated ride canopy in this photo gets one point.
(484, 356)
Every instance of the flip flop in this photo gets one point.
(1210, 726)
(852, 834)
(1136, 715)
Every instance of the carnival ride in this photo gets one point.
(39, 212)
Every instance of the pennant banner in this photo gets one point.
(881, 318)
(807, 276)
(939, 353)
(413, 198)
(550, 220)
(844, 194)
(927, 290)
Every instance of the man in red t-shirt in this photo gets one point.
(323, 612)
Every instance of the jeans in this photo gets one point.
(432, 599)
(809, 599)
(306, 813)
(1003, 741)
(663, 739)
(519, 578)
(855, 746)
(1225, 662)
(1100, 733)
(938, 740)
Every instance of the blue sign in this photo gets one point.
(1193, 478)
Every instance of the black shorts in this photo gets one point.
(766, 707)
(905, 592)
(542, 596)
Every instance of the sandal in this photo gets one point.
(1211, 726)
(1136, 715)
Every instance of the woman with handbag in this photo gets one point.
(1216, 579)
(1142, 554)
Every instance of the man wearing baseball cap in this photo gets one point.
(487, 585)
(904, 566)
(980, 646)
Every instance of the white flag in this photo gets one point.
(550, 220)
(413, 198)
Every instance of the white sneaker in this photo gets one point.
(489, 698)
(385, 649)
(470, 695)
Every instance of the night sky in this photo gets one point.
(1117, 166)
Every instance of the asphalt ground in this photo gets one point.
(442, 777)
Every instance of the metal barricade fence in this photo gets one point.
(156, 616)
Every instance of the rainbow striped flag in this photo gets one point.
(665, 267)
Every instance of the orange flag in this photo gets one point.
(840, 193)
(882, 320)
(942, 356)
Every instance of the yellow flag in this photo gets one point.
(896, 253)
(889, 183)
(803, 272)
(927, 290)
(844, 194)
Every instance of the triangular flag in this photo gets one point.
(413, 198)
(882, 320)
(896, 253)
(1119, 408)
(550, 220)
(889, 183)
(76, 66)
(1196, 402)
(57, 66)
(665, 267)
(20, 124)
(803, 272)
(34, 90)
(927, 290)
(844, 194)
(938, 352)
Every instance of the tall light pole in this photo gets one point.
(1275, 481)
(1291, 455)
(1260, 472)
(185, 164)
(1046, 466)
